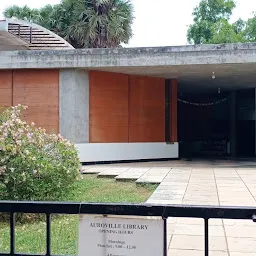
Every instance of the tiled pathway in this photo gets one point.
(230, 183)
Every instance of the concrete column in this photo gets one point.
(233, 135)
(74, 105)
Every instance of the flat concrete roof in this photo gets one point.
(234, 64)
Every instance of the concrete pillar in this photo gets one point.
(74, 105)
(233, 135)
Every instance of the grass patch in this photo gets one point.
(31, 237)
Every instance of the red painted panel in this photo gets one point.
(108, 107)
(146, 109)
(39, 90)
(5, 88)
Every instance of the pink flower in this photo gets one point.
(20, 130)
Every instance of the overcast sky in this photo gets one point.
(157, 22)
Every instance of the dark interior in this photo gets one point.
(245, 130)
(205, 131)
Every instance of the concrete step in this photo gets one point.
(112, 172)
(154, 176)
(93, 170)
(132, 174)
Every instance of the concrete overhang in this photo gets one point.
(234, 64)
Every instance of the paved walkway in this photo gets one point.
(227, 183)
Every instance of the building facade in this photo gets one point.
(127, 104)
(110, 116)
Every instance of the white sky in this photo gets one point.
(157, 22)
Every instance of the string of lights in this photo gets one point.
(203, 104)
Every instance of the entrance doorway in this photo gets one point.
(205, 125)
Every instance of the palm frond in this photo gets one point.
(84, 23)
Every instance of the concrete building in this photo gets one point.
(138, 103)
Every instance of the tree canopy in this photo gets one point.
(212, 24)
(83, 23)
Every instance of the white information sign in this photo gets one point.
(119, 236)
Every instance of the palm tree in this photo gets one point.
(102, 23)
(83, 23)
(23, 13)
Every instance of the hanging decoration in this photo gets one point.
(203, 104)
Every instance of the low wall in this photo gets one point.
(98, 152)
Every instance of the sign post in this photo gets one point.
(121, 236)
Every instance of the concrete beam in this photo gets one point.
(130, 57)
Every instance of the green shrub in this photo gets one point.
(34, 165)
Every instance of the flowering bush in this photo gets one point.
(33, 164)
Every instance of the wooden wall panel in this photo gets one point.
(108, 107)
(174, 110)
(5, 88)
(130, 108)
(146, 109)
(39, 90)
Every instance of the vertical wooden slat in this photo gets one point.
(167, 110)
(173, 110)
